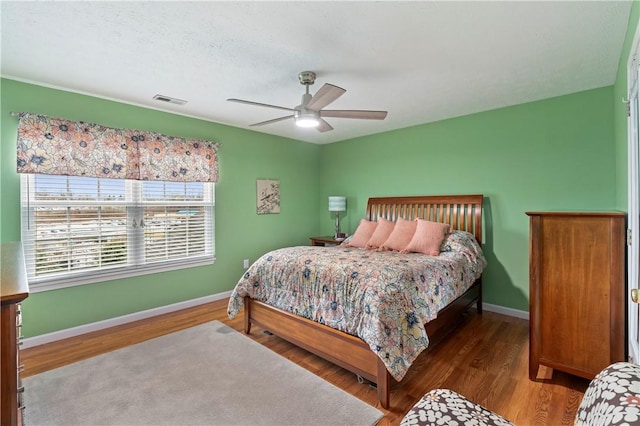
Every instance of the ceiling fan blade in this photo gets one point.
(323, 97)
(275, 120)
(324, 126)
(240, 101)
(354, 113)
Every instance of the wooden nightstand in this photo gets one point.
(324, 241)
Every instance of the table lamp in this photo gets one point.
(337, 205)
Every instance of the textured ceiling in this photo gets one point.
(421, 61)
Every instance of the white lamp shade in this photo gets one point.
(337, 204)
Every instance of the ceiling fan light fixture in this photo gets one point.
(311, 113)
(307, 122)
(306, 119)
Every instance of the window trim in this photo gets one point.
(60, 281)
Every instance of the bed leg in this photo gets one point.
(479, 302)
(247, 315)
(383, 384)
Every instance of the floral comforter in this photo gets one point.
(385, 298)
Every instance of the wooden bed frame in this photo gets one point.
(463, 212)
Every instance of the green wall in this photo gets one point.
(240, 233)
(555, 154)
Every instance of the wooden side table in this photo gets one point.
(324, 241)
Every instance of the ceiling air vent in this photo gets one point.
(169, 99)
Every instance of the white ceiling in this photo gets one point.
(422, 61)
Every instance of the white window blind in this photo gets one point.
(77, 230)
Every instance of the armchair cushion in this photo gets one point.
(612, 398)
(446, 407)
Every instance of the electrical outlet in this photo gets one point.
(245, 263)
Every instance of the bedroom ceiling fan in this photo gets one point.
(310, 113)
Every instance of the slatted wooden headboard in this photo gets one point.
(463, 212)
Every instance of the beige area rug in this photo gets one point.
(205, 375)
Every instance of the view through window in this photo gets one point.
(77, 230)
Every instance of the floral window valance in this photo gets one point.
(57, 146)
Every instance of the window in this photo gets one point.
(78, 230)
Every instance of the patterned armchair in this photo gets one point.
(612, 398)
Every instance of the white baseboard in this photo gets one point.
(111, 322)
(506, 311)
(95, 326)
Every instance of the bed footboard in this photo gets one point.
(340, 348)
(347, 351)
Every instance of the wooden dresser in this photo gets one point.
(13, 290)
(576, 291)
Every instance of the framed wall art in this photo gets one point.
(268, 196)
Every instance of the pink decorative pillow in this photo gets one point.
(380, 235)
(427, 238)
(362, 235)
(401, 235)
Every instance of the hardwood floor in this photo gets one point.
(486, 360)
